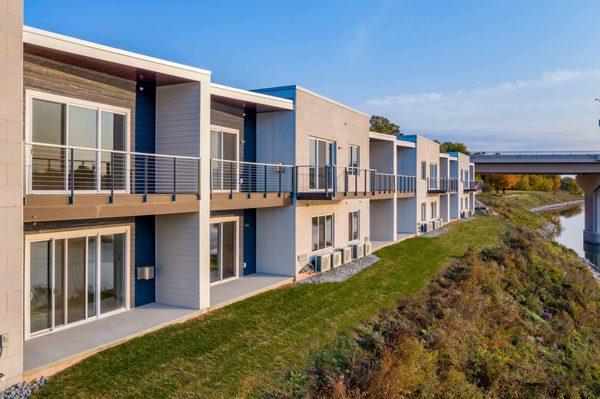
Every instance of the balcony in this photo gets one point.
(406, 186)
(332, 182)
(68, 182)
(240, 185)
(470, 185)
(442, 185)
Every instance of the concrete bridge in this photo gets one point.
(584, 164)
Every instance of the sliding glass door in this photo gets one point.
(321, 154)
(72, 280)
(224, 155)
(223, 249)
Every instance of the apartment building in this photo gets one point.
(138, 193)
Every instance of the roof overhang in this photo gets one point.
(107, 59)
(241, 98)
(376, 136)
(405, 144)
(444, 155)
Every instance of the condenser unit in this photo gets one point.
(337, 258)
(323, 262)
(368, 248)
(347, 255)
(359, 251)
(145, 272)
(429, 226)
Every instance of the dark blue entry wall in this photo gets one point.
(249, 241)
(144, 256)
(145, 141)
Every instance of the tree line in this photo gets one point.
(549, 183)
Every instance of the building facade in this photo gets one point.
(138, 189)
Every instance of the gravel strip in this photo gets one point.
(343, 272)
(22, 390)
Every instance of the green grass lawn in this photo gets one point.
(247, 348)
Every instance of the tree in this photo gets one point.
(501, 182)
(454, 146)
(569, 184)
(381, 124)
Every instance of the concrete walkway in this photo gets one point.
(63, 348)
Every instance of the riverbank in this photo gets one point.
(515, 320)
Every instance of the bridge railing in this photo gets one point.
(533, 153)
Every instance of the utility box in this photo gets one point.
(145, 272)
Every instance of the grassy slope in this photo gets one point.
(515, 205)
(246, 348)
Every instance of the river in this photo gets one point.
(571, 233)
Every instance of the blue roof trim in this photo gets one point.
(287, 92)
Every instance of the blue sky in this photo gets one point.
(496, 75)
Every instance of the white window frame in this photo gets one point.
(60, 235)
(423, 170)
(433, 207)
(228, 130)
(351, 226)
(31, 95)
(236, 220)
(423, 211)
(332, 232)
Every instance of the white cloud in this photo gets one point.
(555, 110)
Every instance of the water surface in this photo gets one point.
(572, 222)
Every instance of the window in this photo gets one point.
(62, 121)
(322, 232)
(423, 212)
(433, 170)
(434, 210)
(321, 153)
(353, 225)
(424, 170)
(354, 160)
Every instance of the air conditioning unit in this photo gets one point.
(368, 248)
(437, 224)
(422, 227)
(347, 255)
(429, 226)
(145, 272)
(323, 262)
(462, 215)
(337, 258)
(359, 251)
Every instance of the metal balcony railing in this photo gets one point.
(470, 185)
(406, 184)
(64, 169)
(442, 184)
(333, 179)
(248, 177)
(383, 183)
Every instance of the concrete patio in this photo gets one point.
(50, 353)
(236, 290)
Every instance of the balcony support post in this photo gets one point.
(71, 176)
(174, 196)
(198, 196)
(265, 182)
(112, 178)
(145, 197)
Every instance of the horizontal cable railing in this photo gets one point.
(333, 179)
(442, 184)
(470, 185)
(249, 177)
(406, 184)
(383, 182)
(53, 168)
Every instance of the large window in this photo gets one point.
(353, 159)
(71, 279)
(434, 210)
(223, 243)
(56, 122)
(322, 232)
(321, 153)
(353, 225)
